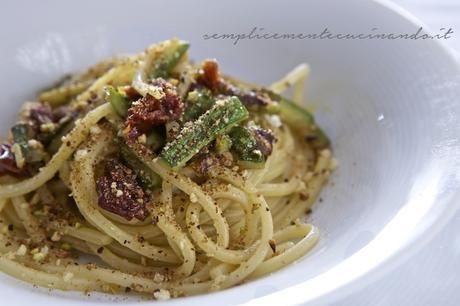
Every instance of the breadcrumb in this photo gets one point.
(56, 237)
(22, 250)
(158, 278)
(67, 276)
(162, 295)
(94, 130)
(193, 198)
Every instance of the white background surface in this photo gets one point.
(432, 277)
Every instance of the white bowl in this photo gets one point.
(390, 107)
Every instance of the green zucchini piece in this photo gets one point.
(223, 143)
(118, 101)
(224, 115)
(155, 140)
(163, 66)
(198, 102)
(244, 144)
(301, 120)
(147, 178)
(21, 132)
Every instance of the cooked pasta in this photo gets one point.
(154, 175)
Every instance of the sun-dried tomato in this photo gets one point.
(119, 192)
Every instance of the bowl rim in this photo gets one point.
(331, 289)
(303, 293)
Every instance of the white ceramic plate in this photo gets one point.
(390, 107)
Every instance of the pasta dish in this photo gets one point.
(155, 175)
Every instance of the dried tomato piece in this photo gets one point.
(41, 114)
(44, 121)
(132, 93)
(250, 98)
(205, 162)
(149, 111)
(209, 75)
(8, 161)
(62, 113)
(264, 139)
(119, 192)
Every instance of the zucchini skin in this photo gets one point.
(224, 115)
(301, 120)
(21, 132)
(244, 144)
(146, 177)
(169, 59)
(119, 102)
(198, 102)
(155, 140)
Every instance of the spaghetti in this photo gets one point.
(171, 178)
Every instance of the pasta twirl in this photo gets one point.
(171, 178)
